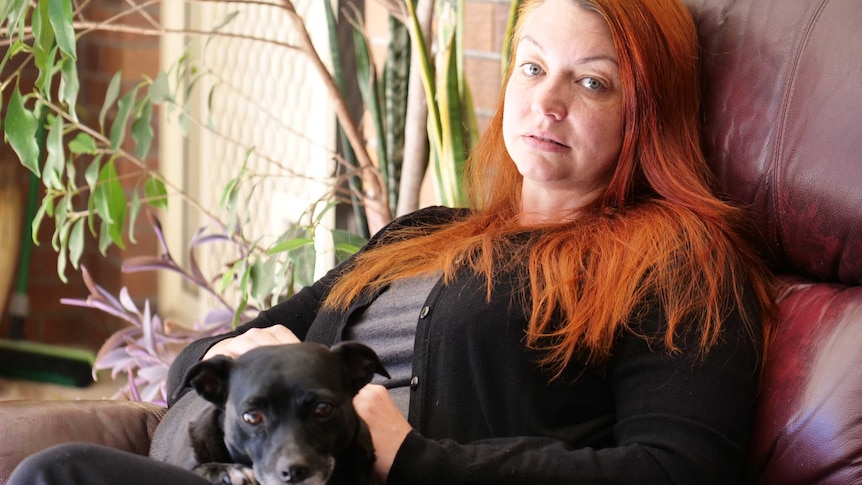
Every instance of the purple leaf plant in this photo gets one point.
(145, 349)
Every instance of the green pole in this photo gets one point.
(19, 303)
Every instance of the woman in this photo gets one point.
(595, 318)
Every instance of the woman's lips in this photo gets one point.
(545, 143)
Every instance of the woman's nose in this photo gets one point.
(549, 99)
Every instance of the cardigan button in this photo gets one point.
(424, 311)
(414, 382)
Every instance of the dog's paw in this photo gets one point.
(226, 473)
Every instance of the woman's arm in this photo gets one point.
(680, 418)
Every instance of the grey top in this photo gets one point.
(388, 325)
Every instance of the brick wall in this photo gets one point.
(485, 21)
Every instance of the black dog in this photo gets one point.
(276, 415)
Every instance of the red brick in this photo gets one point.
(479, 35)
(142, 286)
(46, 290)
(77, 327)
(483, 77)
(500, 21)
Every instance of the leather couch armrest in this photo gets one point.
(29, 426)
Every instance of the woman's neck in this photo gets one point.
(543, 205)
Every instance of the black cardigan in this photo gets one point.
(483, 412)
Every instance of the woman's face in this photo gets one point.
(563, 112)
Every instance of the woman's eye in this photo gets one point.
(323, 409)
(253, 418)
(591, 83)
(531, 69)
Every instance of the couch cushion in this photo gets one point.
(808, 422)
(783, 124)
(27, 427)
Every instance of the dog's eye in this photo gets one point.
(253, 418)
(323, 409)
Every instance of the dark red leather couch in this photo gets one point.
(783, 109)
(783, 130)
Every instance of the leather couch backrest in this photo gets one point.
(783, 111)
(783, 132)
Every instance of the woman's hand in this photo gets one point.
(387, 425)
(233, 347)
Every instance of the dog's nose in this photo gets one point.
(294, 474)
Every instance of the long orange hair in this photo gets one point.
(657, 233)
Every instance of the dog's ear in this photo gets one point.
(361, 362)
(210, 379)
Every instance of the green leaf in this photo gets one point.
(60, 14)
(369, 89)
(396, 78)
(110, 202)
(61, 224)
(345, 250)
(21, 126)
(49, 208)
(240, 308)
(142, 129)
(71, 174)
(160, 91)
(62, 247)
(124, 111)
(61, 266)
(226, 21)
(134, 210)
(244, 280)
(83, 143)
(229, 194)
(427, 75)
(14, 11)
(15, 47)
(91, 212)
(55, 161)
(334, 54)
(185, 123)
(506, 54)
(157, 194)
(104, 238)
(303, 260)
(290, 245)
(69, 86)
(346, 243)
(107, 176)
(44, 53)
(453, 153)
(228, 276)
(320, 212)
(47, 202)
(91, 174)
(76, 242)
(262, 279)
(111, 96)
(210, 108)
